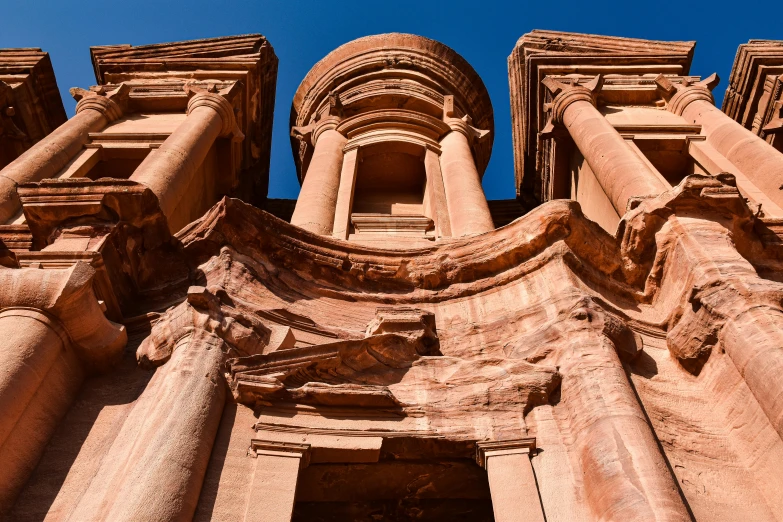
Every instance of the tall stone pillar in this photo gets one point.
(625, 474)
(53, 330)
(46, 158)
(169, 170)
(756, 159)
(273, 490)
(467, 204)
(315, 207)
(512, 483)
(728, 301)
(623, 175)
(156, 465)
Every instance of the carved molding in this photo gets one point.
(67, 294)
(111, 104)
(282, 449)
(498, 448)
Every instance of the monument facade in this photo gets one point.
(391, 345)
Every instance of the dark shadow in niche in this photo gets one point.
(644, 366)
(217, 461)
(121, 386)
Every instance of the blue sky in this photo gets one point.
(304, 31)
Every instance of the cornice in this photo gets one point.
(755, 84)
(30, 102)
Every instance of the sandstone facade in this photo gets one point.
(396, 347)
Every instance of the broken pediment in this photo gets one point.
(351, 372)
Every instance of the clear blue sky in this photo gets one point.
(303, 31)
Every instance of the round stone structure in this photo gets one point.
(392, 97)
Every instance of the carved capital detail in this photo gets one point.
(462, 125)
(565, 95)
(679, 96)
(112, 105)
(67, 294)
(216, 101)
(498, 448)
(204, 310)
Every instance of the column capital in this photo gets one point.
(679, 96)
(217, 101)
(462, 125)
(112, 104)
(310, 133)
(273, 448)
(564, 95)
(67, 294)
(497, 448)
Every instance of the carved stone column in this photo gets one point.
(511, 480)
(273, 490)
(95, 110)
(759, 161)
(623, 175)
(614, 449)
(53, 330)
(169, 170)
(155, 467)
(625, 475)
(467, 205)
(317, 202)
(728, 303)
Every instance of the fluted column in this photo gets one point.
(623, 175)
(52, 329)
(759, 161)
(46, 158)
(169, 170)
(512, 483)
(467, 204)
(315, 207)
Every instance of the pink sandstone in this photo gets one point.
(391, 345)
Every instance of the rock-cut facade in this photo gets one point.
(391, 346)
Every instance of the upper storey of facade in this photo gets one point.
(190, 121)
(30, 104)
(390, 135)
(754, 96)
(611, 121)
